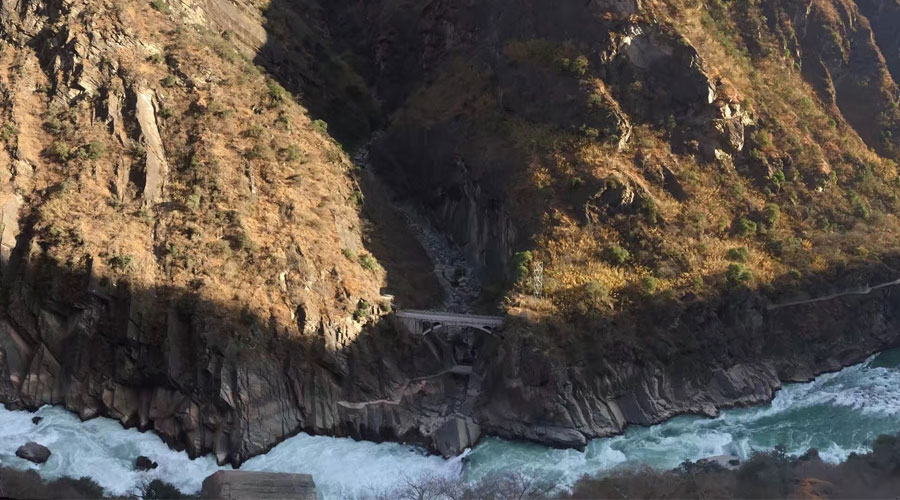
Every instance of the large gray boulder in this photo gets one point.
(455, 436)
(33, 452)
(238, 484)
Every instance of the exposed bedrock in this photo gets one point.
(157, 361)
(738, 353)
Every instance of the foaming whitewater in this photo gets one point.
(838, 414)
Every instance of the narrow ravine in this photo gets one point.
(456, 274)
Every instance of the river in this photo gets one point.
(838, 413)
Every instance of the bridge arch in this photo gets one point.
(425, 322)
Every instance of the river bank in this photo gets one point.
(838, 413)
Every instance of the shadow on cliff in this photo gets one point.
(302, 57)
(564, 381)
(206, 376)
(214, 377)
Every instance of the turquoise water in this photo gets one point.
(838, 413)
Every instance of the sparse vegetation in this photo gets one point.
(737, 274)
(617, 255)
(277, 94)
(121, 263)
(522, 265)
(8, 132)
(650, 284)
(321, 126)
(161, 6)
(738, 254)
(745, 228)
(368, 262)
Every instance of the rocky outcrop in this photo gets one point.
(841, 59)
(235, 485)
(105, 352)
(33, 452)
(144, 464)
(155, 168)
(740, 356)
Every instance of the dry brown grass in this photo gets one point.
(296, 214)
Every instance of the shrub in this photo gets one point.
(580, 65)
(590, 298)
(650, 284)
(576, 182)
(739, 254)
(596, 101)
(241, 241)
(28, 484)
(321, 126)
(771, 214)
(349, 254)
(169, 81)
(161, 490)
(254, 132)
(93, 150)
(522, 264)
(763, 139)
(737, 274)
(362, 310)
(777, 178)
(649, 210)
(277, 94)
(368, 262)
(292, 153)
(61, 151)
(589, 132)
(745, 227)
(161, 6)
(860, 208)
(8, 131)
(617, 255)
(260, 152)
(121, 262)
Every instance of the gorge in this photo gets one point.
(674, 206)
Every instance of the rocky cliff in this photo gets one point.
(181, 244)
(185, 246)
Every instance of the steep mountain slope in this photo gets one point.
(181, 243)
(639, 183)
(650, 178)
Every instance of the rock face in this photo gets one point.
(33, 452)
(143, 463)
(747, 353)
(455, 436)
(236, 485)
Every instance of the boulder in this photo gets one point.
(33, 452)
(455, 436)
(36, 420)
(238, 484)
(144, 464)
(724, 461)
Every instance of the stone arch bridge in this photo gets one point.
(425, 322)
